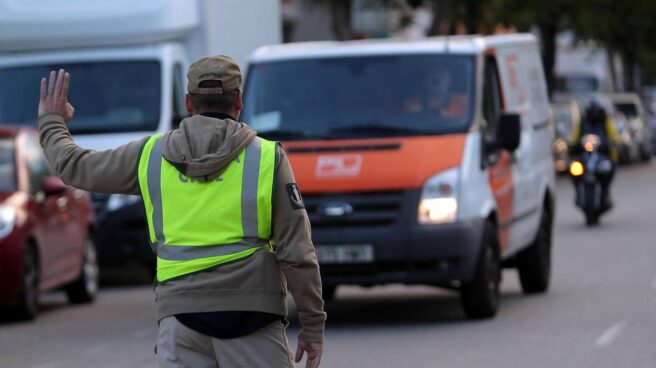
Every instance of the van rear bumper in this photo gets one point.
(419, 254)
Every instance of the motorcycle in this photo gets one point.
(588, 170)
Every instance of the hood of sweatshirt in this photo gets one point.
(204, 145)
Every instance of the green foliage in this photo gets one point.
(627, 27)
(624, 26)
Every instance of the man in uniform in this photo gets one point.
(225, 219)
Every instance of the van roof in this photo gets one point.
(470, 44)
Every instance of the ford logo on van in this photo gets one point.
(335, 209)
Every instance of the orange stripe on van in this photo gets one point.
(501, 183)
(372, 164)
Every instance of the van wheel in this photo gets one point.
(534, 262)
(85, 288)
(28, 298)
(480, 296)
(591, 218)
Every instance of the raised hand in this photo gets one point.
(54, 95)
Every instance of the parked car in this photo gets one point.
(631, 106)
(45, 229)
(566, 115)
(648, 94)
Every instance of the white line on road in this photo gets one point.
(653, 284)
(610, 335)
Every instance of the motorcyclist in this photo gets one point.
(595, 120)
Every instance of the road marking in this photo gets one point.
(653, 284)
(610, 335)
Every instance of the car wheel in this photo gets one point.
(28, 299)
(480, 296)
(534, 262)
(85, 287)
(645, 153)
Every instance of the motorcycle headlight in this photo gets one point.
(439, 198)
(7, 220)
(118, 201)
(576, 168)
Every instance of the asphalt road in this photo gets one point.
(599, 312)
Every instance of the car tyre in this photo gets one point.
(534, 262)
(480, 295)
(27, 306)
(85, 288)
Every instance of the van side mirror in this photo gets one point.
(509, 131)
(52, 185)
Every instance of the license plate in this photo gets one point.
(350, 253)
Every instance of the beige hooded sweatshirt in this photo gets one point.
(202, 147)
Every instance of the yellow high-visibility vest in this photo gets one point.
(194, 225)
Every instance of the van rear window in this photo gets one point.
(354, 97)
(628, 109)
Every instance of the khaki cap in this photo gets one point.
(219, 68)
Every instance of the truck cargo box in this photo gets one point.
(38, 24)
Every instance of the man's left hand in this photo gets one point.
(54, 95)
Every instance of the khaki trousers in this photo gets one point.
(181, 347)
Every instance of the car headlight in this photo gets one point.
(439, 198)
(7, 220)
(118, 201)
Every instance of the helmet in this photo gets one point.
(595, 111)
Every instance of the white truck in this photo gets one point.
(585, 68)
(127, 61)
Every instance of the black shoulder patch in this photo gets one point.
(295, 196)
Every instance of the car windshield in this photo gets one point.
(347, 97)
(109, 97)
(628, 109)
(7, 166)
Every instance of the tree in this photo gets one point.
(340, 16)
(442, 16)
(341, 13)
(624, 27)
(550, 17)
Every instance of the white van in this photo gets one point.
(423, 162)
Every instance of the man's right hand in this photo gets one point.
(314, 351)
(54, 95)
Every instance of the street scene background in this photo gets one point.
(599, 309)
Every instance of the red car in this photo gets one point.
(45, 225)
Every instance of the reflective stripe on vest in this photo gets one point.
(200, 225)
